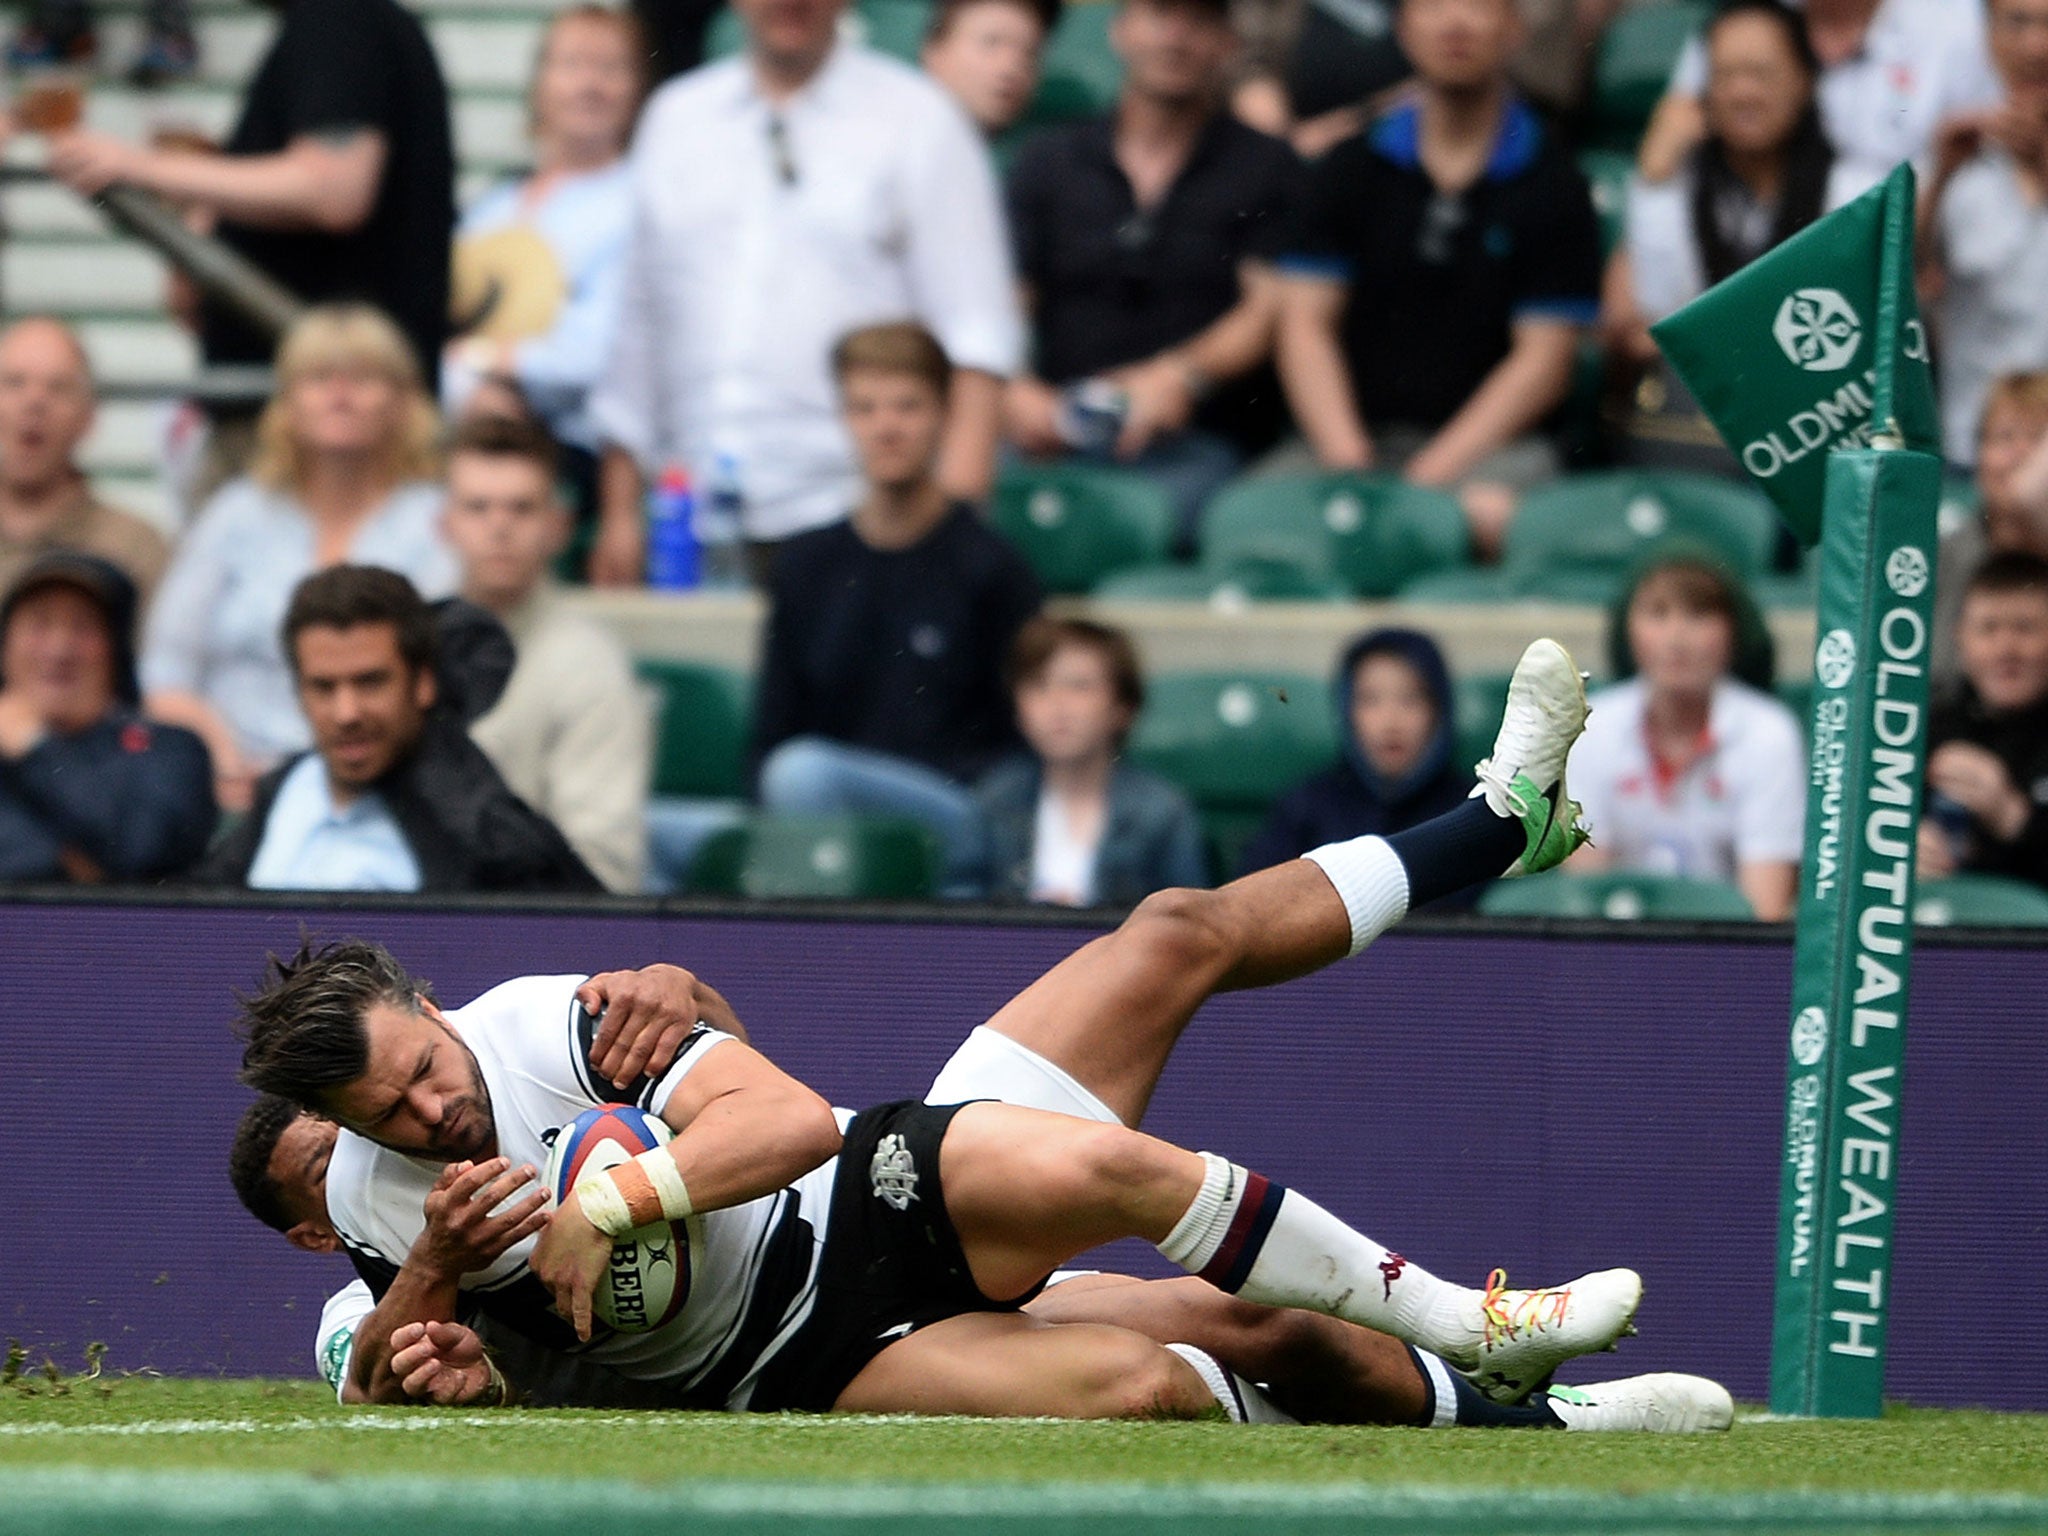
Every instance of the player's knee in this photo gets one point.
(1109, 1164)
(1187, 928)
(1143, 1380)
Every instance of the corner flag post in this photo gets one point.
(1852, 472)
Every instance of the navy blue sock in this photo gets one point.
(1457, 849)
(1476, 1410)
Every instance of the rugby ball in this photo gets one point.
(649, 1277)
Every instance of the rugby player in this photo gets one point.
(882, 1264)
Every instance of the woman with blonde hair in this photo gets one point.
(344, 470)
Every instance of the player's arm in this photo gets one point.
(461, 1234)
(646, 1017)
(744, 1128)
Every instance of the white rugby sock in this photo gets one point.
(1253, 1238)
(1241, 1399)
(1373, 881)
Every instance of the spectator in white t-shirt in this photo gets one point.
(1987, 204)
(781, 199)
(1892, 71)
(1685, 769)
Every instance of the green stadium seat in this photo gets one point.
(1798, 697)
(894, 27)
(1607, 521)
(1076, 523)
(1473, 585)
(702, 720)
(1235, 741)
(1980, 901)
(1619, 896)
(1374, 533)
(827, 858)
(1633, 65)
(1477, 703)
(1244, 583)
(1607, 172)
(1959, 502)
(1081, 73)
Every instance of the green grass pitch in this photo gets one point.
(140, 1456)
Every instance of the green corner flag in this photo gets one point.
(1812, 363)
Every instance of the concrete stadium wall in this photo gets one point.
(1548, 1103)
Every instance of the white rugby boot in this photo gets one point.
(1523, 780)
(1521, 1337)
(1665, 1403)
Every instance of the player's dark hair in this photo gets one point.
(256, 1141)
(305, 1027)
(344, 596)
(2009, 570)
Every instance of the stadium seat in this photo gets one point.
(894, 27)
(1959, 501)
(1081, 73)
(1633, 65)
(1243, 583)
(833, 858)
(702, 719)
(1477, 703)
(1604, 523)
(1619, 896)
(1607, 172)
(1076, 523)
(1235, 741)
(1374, 533)
(1980, 901)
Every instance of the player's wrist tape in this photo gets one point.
(636, 1193)
(496, 1389)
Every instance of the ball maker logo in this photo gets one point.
(1834, 660)
(1818, 330)
(1809, 1036)
(1906, 572)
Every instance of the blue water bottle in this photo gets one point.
(672, 563)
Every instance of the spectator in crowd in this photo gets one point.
(1987, 743)
(571, 734)
(781, 199)
(1434, 290)
(1689, 767)
(986, 53)
(1891, 72)
(538, 259)
(1068, 822)
(1988, 201)
(46, 410)
(2012, 504)
(338, 179)
(1764, 171)
(344, 470)
(881, 678)
(394, 795)
(61, 32)
(89, 791)
(1395, 718)
(1142, 245)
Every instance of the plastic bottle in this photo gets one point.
(672, 555)
(719, 525)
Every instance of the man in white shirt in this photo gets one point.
(1892, 72)
(782, 199)
(1988, 201)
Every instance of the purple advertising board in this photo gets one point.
(1551, 1102)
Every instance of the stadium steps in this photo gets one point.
(60, 257)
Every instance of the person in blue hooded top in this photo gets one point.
(1393, 698)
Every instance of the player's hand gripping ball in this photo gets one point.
(649, 1277)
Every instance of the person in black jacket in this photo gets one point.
(1395, 770)
(394, 796)
(881, 686)
(1987, 742)
(89, 791)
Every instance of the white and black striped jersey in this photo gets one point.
(752, 1267)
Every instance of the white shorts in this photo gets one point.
(989, 1065)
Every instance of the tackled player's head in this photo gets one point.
(344, 1030)
(279, 1170)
